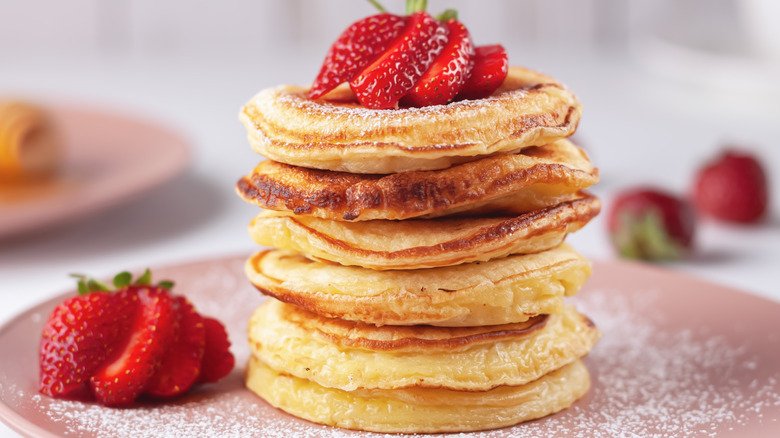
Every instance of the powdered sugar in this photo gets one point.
(648, 379)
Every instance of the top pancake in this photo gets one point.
(534, 178)
(336, 133)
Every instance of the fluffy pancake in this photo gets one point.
(423, 243)
(419, 410)
(500, 291)
(535, 178)
(530, 109)
(350, 355)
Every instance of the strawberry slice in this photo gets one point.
(387, 79)
(491, 66)
(153, 331)
(77, 339)
(180, 365)
(355, 48)
(449, 72)
(217, 360)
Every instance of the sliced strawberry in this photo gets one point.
(355, 48)
(388, 78)
(180, 365)
(78, 337)
(153, 330)
(491, 66)
(449, 72)
(217, 360)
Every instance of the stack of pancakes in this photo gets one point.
(419, 266)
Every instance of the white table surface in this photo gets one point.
(638, 128)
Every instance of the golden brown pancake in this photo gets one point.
(29, 144)
(530, 109)
(350, 355)
(535, 178)
(419, 410)
(500, 291)
(423, 243)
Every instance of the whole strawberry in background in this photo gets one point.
(650, 224)
(140, 339)
(733, 188)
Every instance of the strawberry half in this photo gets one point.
(449, 72)
(180, 365)
(217, 359)
(491, 65)
(124, 377)
(387, 79)
(78, 337)
(355, 48)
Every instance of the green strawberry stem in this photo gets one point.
(413, 6)
(448, 14)
(378, 5)
(87, 285)
(645, 237)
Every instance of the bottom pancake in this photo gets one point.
(419, 410)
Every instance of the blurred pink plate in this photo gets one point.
(109, 159)
(679, 357)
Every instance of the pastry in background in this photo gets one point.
(30, 146)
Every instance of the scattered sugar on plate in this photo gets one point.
(647, 381)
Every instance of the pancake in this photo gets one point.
(29, 144)
(419, 410)
(535, 178)
(351, 355)
(500, 291)
(423, 243)
(336, 133)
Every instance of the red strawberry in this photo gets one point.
(140, 339)
(648, 224)
(217, 360)
(387, 79)
(180, 365)
(449, 72)
(78, 337)
(120, 380)
(355, 48)
(732, 188)
(491, 66)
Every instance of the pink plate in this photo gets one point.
(109, 158)
(679, 357)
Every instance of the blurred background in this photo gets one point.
(665, 85)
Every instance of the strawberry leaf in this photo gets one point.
(378, 5)
(122, 279)
(145, 279)
(166, 284)
(95, 286)
(448, 14)
(83, 288)
(413, 6)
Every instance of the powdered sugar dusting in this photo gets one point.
(648, 379)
